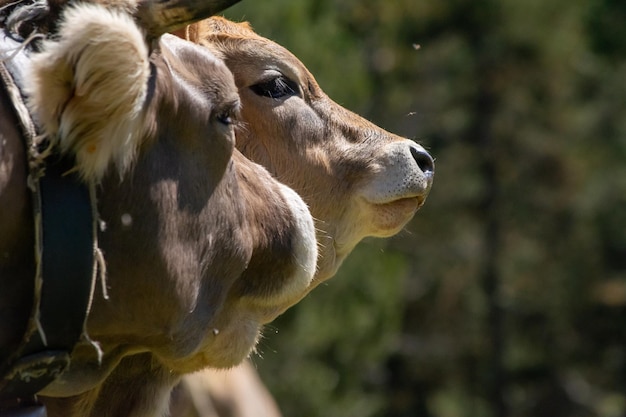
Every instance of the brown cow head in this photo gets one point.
(357, 179)
(185, 224)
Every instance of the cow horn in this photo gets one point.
(161, 16)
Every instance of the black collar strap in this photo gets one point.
(64, 255)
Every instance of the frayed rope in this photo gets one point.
(99, 269)
(23, 45)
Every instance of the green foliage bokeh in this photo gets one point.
(506, 295)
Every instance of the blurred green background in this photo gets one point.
(506, 295)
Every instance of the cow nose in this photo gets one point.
(424, 161)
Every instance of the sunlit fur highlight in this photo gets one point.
(88, 88)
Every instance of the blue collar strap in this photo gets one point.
(64, 256)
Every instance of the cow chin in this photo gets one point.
(228, 343)
(387, 219)
(232, 338)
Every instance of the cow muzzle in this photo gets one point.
(403, 176)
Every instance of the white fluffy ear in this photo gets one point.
(89, 87)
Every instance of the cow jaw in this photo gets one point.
(233, 334)
(304, 256)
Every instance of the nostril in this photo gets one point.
(424, 160)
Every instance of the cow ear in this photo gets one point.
(215, 26)
(89, 86)
(224, 26)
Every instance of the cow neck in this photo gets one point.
(65, 250)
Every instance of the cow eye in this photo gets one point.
(225, 118)
(227, 114)
(277, 87)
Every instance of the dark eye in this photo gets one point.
(228, 113)
(276, 88)
(225, 118)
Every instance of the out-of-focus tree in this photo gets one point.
(506, 296)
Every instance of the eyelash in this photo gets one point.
(276, 88)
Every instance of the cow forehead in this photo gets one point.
(245, 52)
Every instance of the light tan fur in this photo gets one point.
(88, 89)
